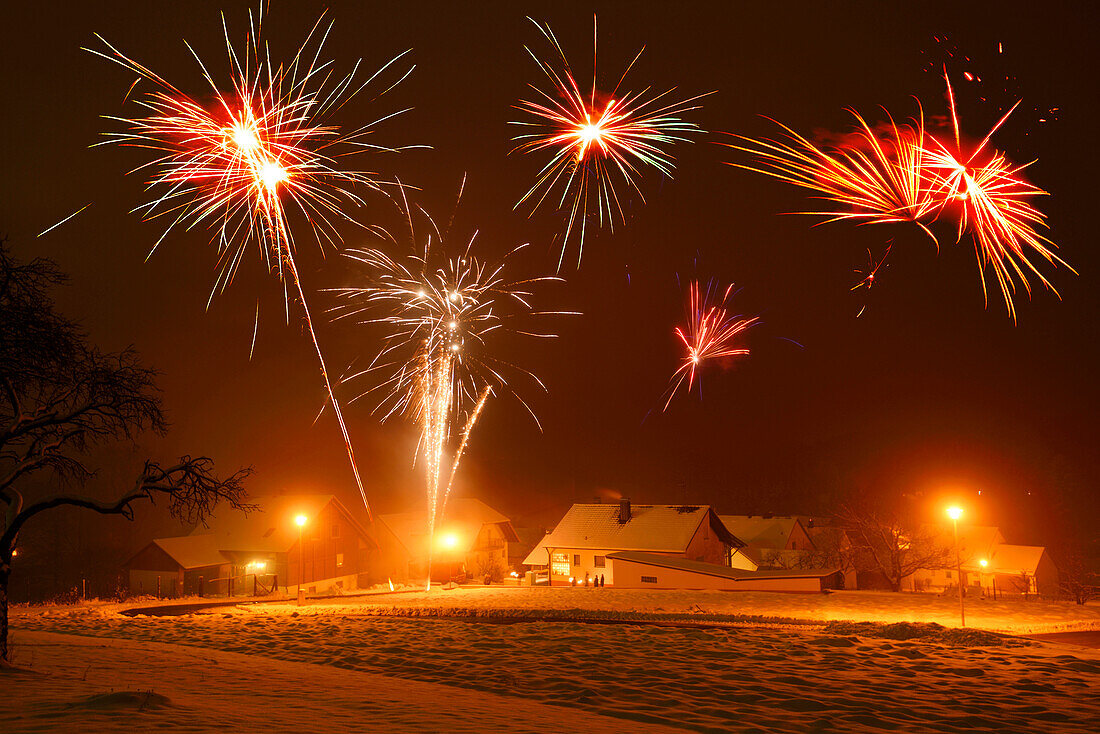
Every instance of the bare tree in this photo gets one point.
(883, 543)
(60, 397)
(1076, 580)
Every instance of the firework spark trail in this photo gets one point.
(877, 177)
(54, 226)
(441, 315)
(710, 333)
(230, 165)
(595, 145)
(904, 173)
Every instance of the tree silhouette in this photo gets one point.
(61, 396)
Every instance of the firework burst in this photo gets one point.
(597, 141)
(261, 149)
(710, 333)
(443, 313)
(903, 173)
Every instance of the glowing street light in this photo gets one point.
(450, 540)
(300, 521)
(955, 512)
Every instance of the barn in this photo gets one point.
(261, 551)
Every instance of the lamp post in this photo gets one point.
(300, 521)
(955, 513)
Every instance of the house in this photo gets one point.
(975, 543)
(771, 540)
(1015, 569)
(241, 553)
(471, 540)
(579, 546)
(176, 566)
(637, 570)
(769, 531)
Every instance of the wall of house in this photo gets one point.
(705, 545)
(587, 564)
(394, 561)
(330, 548)
(630, 575)
(799, 539)
(489, 554)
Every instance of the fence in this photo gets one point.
(248, 584)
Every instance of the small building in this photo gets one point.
(171, 567)
(579, 546)
(635, 570)
(1015, 569)
(771, 540)
(472, 540)
(241, 553)
(769, 531)
(975, 543)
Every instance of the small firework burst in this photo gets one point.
(598, 142)
(711, 333)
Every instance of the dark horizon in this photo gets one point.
(929, 392)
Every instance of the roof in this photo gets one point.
(713, 569)
(462, 516)
(192, 551)
(271, 528)
(975, 541)
(660, 528)
(761, 532)
(1015, 559)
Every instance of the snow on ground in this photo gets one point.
(837, 677)
(1011, 616)
(80, 684)
(1014, 616)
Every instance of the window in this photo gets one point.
(948, 573)
(559, 564)
(649, 579)
(339, 560)
(576, 559)
(599, 561)
(269, 532)
(336, 531)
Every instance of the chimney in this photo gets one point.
(624, 510)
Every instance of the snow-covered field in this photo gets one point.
(1014, 616)
(790, 677)
(80, 684)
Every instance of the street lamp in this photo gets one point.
(955, 513)
(300, 521)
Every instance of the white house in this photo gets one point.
(579, 546)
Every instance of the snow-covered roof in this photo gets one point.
(975, 541)
(192, 551)
(1015, 559)
(713, 569)
(761, 532)
(462, 516)
(271, 528)
(659, 528)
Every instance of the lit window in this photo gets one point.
(649, 579)
(559, 564)
(599, 561)
(339, 560)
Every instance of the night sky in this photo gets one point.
(928, 392)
